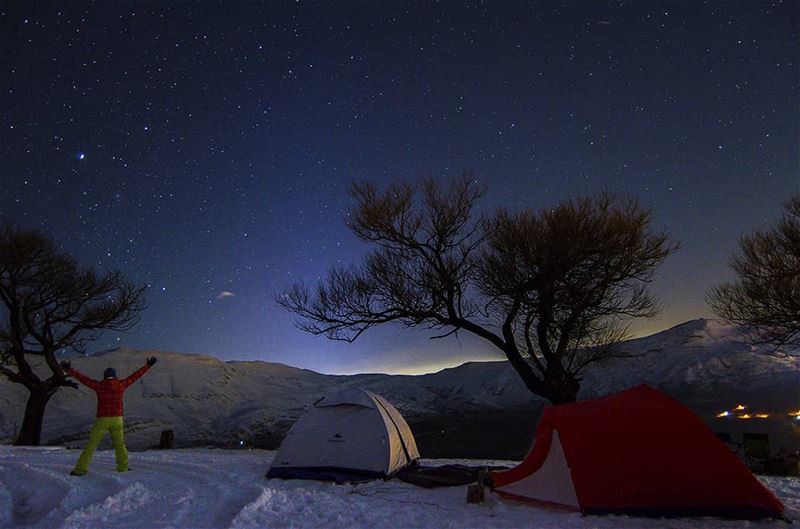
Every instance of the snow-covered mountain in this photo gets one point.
(478, 409)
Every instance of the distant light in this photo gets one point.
(723, 414)
(241, 443)
(795, 413)
(80, 156)
(745, 416)
(739, 407)
(762, 415)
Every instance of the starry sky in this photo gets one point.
(205, 148)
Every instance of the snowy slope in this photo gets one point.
(227, 489)
(707, 356)
(206, 401)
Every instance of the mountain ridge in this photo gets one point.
(208, 401)
(696, 323)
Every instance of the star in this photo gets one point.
(258, 132)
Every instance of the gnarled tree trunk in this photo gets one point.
(31, 432)
(561, 389)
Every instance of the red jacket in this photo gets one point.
(109, 391)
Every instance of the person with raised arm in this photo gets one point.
(110, 392)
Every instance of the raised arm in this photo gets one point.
(136, 375)
(83, 379)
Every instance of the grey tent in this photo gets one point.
(350, 435)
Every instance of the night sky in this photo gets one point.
(205, 148)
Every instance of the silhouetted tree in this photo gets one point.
(51, 305)
(550, 290)
(764, 296)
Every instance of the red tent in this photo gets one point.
(637, 452)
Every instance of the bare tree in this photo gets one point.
(51, 305)
(549, 290)
(764, 297)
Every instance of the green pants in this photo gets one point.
(114, 426)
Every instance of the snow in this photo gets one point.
(207, 401)
(208, 488)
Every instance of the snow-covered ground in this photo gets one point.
(203, 488)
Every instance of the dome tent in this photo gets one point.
(351, 435)
(639, 452)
